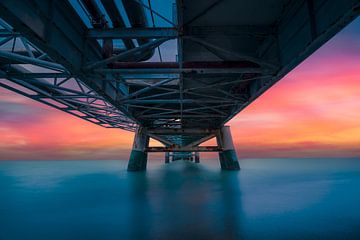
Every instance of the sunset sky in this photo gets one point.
(313, 112)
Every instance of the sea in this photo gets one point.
(266, 199)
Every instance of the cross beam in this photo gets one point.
(171, 32)
(174, 131)
(184, 149)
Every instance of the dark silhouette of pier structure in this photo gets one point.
(101, 61)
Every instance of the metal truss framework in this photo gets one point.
(53, 57)
(30, 72)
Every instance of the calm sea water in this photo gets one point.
(267, 199)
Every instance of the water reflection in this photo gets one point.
(185, 201)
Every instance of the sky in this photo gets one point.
(314, 111)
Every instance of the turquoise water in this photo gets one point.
(267, 199)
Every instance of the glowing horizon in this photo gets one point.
(312, 112)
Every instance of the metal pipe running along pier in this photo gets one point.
(101, 60)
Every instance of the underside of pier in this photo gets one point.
(104, 61)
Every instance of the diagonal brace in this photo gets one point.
(128, 53)
(146, 89)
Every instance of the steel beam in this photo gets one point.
(146, 89)
(175, 131)
(163, 32)
(176, 101)
(178, 116)
(31, 75)
(201, 140)
(208, 72)
(31, 60)
(184, 149)
(132, 33)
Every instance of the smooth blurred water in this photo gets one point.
(267, 199)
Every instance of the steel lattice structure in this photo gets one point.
(95, 60)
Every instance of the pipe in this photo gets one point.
(99, 21)
(137, 18)
(127, 54)
(117, 20)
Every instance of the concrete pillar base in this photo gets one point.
(137, 161)
(228, 160)
(138, 156)
(167, 157)
(197, 157)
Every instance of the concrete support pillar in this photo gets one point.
(167, 157)
(138, 156)
(197, 157)
(228, 158)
